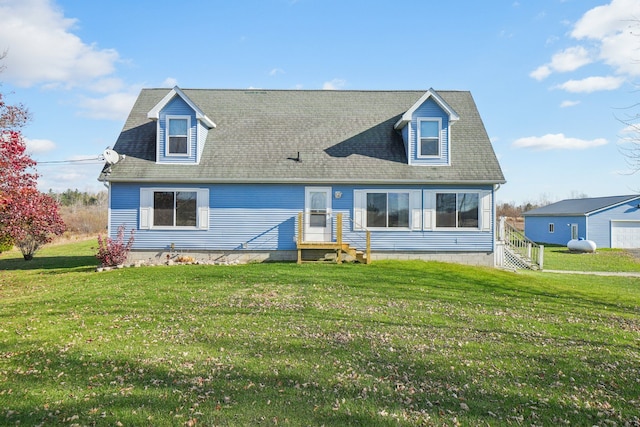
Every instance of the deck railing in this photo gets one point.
(339, 244)
(520, 252)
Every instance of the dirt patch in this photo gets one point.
(634, 253)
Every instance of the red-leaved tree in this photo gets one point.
(28, 218)
(35, 221)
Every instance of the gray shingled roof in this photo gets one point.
(342, 136)
(577, 207)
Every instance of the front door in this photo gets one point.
(317, 214)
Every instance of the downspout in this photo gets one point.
(107, 185)
(497, 258)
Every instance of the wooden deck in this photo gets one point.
(338, 247)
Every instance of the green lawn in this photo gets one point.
(392, 343)
(619, 260)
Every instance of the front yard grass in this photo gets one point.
(615, 260)
(392, 343)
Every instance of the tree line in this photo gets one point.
(74, 198)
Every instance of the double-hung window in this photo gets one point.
(457, 210)
(178, 135)
(429, 137)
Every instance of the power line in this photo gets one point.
(94, 161)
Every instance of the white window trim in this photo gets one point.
(146, 208)
(485, 211)
(167, 135)
(552, 228)
(360, 209)
(419, 154)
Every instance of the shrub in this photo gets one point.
(112, 252)
(36, 221)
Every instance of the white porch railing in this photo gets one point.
(515, 251)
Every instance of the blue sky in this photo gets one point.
(552, 78)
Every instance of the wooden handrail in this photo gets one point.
(339, 238)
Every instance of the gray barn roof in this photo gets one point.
(342, 136)
(578, 207)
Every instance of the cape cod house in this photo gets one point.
(283, 174)
(610, 222)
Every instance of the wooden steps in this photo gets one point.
(337, 250)
(330, 252)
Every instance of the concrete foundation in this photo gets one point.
(246, 256)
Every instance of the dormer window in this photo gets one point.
(426, 131)
(182, 129)
(178, 135)
(429, 137)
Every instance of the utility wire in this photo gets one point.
(96, 160)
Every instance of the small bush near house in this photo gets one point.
(112, 252)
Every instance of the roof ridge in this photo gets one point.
(312, 90)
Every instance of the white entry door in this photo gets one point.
(317, 214)
(574, 231)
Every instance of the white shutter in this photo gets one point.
(146, 208)
(203, 209)
(415, 205)
(486, 210)
(429, 211)
(359, 209)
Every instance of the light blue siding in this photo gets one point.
(177, 107)
(429, 109)
(596, 226)
(414, 240)
(251, 217)
(202, 132)
(536, 228)
(263, 217)
(599, 223)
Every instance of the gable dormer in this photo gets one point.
(425, 129)
(182, 129)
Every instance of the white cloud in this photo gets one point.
(614, 27)
(611, 31)
(631, 129)
(115, 106)
(41, 48)
(591, 84)
(569, 59)
(621, 52)
(335, 84)
(557, 142)
(541, 73)
(37, 146)
(276, 71)
(605, 20)
(566, 104)
(169, 82)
